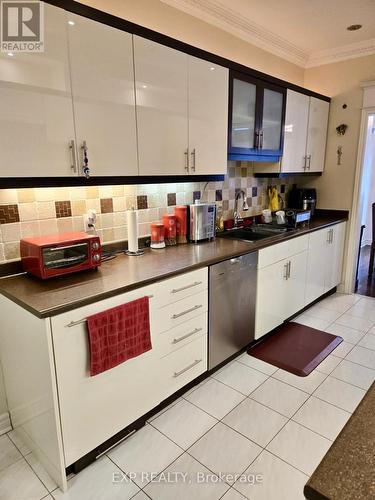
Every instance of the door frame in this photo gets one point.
(356, 210)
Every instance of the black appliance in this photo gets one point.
(302, 199)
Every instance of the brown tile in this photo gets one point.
(142, 202)
(171, 199)
(106, 205)
(8, 214)
(63, 209)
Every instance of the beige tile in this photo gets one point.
(105, 192)
(45, 194)
(26, 195)
(108, 234)
(119, 204)
(118, 191)
(30, 229)
(78, 223)
(131, 202)
(11, 232)
(62, 194)
(92, 192)
(119, 219)
(107, 220)
(48, 226)
(65, 225)
(2, 254)
(8, 196)
(120, 233)
(78, 207)
(77, 193)
(130, 190)
(144, 229)
(93, 204)
(12, 250)
(46, 210)
(27, 211)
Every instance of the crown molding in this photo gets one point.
(229, 20)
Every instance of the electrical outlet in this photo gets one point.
(89, 221)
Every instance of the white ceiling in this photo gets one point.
(306, 32)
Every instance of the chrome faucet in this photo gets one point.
(237, 213)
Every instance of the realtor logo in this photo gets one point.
(22, 26)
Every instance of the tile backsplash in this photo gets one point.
(40, 211)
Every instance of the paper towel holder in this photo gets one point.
(135, 254)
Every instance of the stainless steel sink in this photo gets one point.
(253, 233)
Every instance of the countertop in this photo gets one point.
(348, 469)
(57, 295)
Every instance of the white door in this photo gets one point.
(36, 118)
(295, 132)
(102, 73)
(337, 240)
(161, 80)
(318, 256)
(317, 135)
(296, 284)
(208, 117)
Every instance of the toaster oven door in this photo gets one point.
(65, 256)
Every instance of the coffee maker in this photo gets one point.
(303, 198)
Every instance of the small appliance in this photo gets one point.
(295, 218)
(304, 199)
(59, 254)
(202, 221)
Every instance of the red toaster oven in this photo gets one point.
(55, 255)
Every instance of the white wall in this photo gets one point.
(368, 190)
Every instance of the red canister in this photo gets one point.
(180, 212)
(169, 221)
(157, 235)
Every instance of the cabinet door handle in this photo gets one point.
(186, 336)
(256, 139)
(196, 362)
(304, 163)
(193, 157)
(176, 290)
(331, 238)
(309, 164)
(72, 148)
(175, 316)
(85, 160)
(186, 160)
(286, 271)
(289, 268)
(260, 139)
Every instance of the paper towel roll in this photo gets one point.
(132, 220)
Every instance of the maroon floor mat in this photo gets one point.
(296, 348)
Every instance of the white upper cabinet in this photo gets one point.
(317, 135)
(102, 75)
(161, 76)
(36, 119)
(305, 133)
(295, 132)
(208, 117)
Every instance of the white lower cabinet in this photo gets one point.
(324, 266)
(93, 409)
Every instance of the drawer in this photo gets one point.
(184, 365)
(181, 335)
(182, 311)
(280, 251)
(182, 286)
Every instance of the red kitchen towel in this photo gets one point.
(118, 334)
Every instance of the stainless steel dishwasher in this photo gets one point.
(231, 306)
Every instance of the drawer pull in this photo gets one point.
(180, 339)
(176, 290)
(196, 362)
(175, 316)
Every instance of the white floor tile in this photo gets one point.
(354, 374)
(18, 437)
(242, 378)
(280, 480)
(189, 486)
(18, 482)
(362, 356)
(340, 394)
(368, 341)
(257, 364)
(321, 417)
(146, 452)
(300, 447)
(363, 309)
(40, 471)
(307, 384)
(215, 398)
(336, 303)
(348, 334)
(223, 450)
(141, 496)
(102, 480)
(361, 324)
(8, 452)
(165, 409)
(233, 494)
(319, 311)
(343, 349)
(311, 321)
(255, 421)
(328, 364)
(184, 423)
(280, 397)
